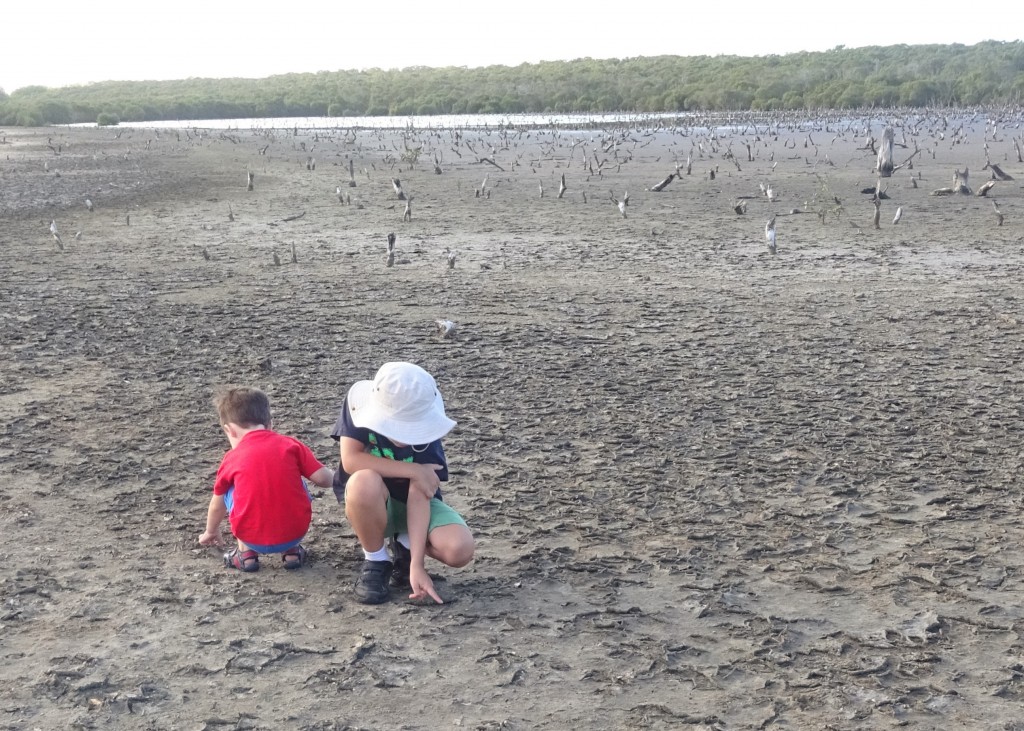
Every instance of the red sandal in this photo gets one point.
(294, 557)
(247, 561)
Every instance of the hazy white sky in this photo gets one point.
(79, 43)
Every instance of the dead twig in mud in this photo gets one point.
(729, 156)
(296, 217)
(56, 236)
(960, 181)
(389, 260)
(999, 214)
(997, 172)
(827, 201)
(960, 186)
(647, 713)
(876, 191)
(886, 166)
(620, 203)
(658, 187)
(410, 155)
(489, 160)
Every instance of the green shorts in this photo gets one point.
(441, 513)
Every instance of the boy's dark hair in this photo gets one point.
(246, 407)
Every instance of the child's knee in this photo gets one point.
(365, 485)
(458, 553)
(463, 556)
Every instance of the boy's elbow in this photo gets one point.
(324, 477)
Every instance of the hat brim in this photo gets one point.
(366, 415)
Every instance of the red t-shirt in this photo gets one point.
(271, 505)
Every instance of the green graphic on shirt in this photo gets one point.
(386, 452)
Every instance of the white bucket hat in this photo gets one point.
(401, 403)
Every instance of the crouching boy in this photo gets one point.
(392, 466)
(259, 486)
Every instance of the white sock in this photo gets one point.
(403, 538)
(381, 554)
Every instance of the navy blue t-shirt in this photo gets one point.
(381, 446)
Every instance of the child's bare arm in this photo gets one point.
(323, 477)
(422, 477)
(418, 517)
(215, 515)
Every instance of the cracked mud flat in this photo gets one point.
(712, 488)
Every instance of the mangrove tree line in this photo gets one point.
(987, 73)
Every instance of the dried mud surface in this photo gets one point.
(712, 488)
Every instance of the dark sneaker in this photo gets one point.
(372, 584)
(403, 560)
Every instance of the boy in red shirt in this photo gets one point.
(259, 485)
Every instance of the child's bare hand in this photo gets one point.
(211, 539)
(427, 481)
(421, 585)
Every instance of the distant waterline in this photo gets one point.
(568, 122)
(434, 121)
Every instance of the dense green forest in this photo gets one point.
(989, 73)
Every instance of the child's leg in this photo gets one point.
(242, 557)
(451, 544)
(366, 499)
(448, 538)
(366, 505)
